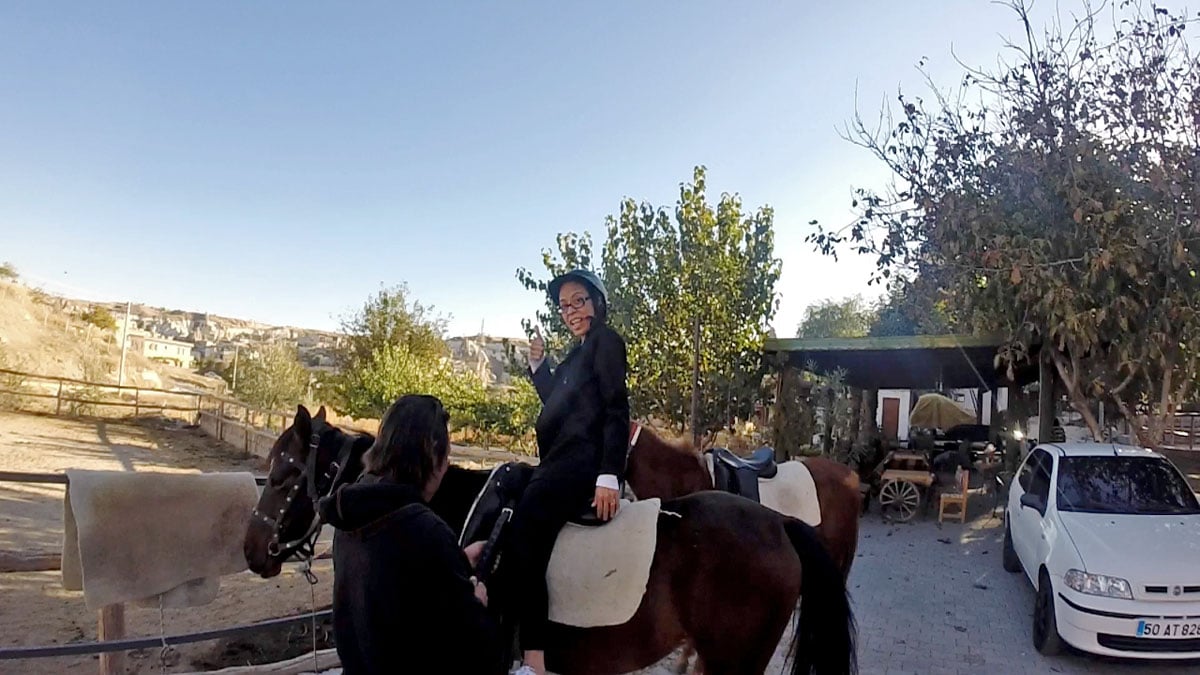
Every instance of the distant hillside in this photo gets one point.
(485, 356)
(43, 334)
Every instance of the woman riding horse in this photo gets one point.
(582, 434)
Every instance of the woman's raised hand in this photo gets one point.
(537, 346)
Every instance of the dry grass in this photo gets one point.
(39, 335)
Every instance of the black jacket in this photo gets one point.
(403, 601)
(585, 405)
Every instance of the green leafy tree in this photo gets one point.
(100, 317)
(270, 377)
(1063, 211)
(393, 346)
(393, 370)
(509, 412)
(847, 318)
(714, 264)
(390, 317)
(913, 308)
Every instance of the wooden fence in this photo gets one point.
(248, 428)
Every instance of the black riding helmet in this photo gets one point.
(590, 281)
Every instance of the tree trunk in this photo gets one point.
(867, 429)
(1068, 373)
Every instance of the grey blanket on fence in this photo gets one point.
(153, 537)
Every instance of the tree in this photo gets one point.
(8, 272)
(100, 317)
(846, 318)
(913, 308)
(389, 318)
(1062, 210)
(401, 339)
(394, 371)
(270, 377)
(711, 263)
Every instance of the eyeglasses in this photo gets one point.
(576, 303)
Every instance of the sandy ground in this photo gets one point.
(36, 610)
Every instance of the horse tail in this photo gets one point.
(824, 639)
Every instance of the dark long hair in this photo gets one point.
(412, 440)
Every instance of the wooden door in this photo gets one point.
(891, 418)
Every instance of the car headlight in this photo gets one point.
(1098, 584)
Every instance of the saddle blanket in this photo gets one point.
(791, 492)
(151, 537)
(598, 574)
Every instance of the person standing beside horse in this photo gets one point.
(404, 598)
(582, 435)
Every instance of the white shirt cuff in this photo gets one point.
(608, 480)
(534, 365)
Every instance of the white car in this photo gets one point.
(1113, 550)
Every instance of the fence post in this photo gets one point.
(58, 404)
(137, 401)
(198, 410)
(221, 420)
(112, 627)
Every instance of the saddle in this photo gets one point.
(740, 475)
(493, 509)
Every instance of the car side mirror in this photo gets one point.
(1034, 502)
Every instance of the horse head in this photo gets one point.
(666, 470)
(307, 462)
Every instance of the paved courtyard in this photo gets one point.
(933, 600)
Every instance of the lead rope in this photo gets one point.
(306, 570)
(162, 634)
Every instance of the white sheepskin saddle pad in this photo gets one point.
(154, 537)
(598, 574)
(791, 491)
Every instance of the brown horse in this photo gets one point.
(726, 577)
(657, 468)
(667, 470)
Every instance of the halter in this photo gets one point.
(306, 543)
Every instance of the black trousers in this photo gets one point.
(557, 492)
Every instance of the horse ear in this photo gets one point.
(302, 424)
(320, 415)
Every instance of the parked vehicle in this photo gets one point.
(1109, 536)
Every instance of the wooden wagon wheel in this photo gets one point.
(902, 496)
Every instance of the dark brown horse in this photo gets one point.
(667, 470)
(726, 577)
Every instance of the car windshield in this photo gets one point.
(1128, 485)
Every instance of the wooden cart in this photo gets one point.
(905, 484)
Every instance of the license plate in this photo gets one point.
(1168, 629)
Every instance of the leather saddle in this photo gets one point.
(493, 509)
(740, 475)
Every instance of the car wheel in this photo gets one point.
(1011, 562)
(1045, 624)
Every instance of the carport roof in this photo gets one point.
(905, 362)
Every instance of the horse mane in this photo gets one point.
(682, 445)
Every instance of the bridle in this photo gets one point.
(306, 543)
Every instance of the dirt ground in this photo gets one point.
(37, 611)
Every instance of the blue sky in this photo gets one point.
(279, 161)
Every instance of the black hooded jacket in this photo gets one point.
(403, 601)
(585, 405)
